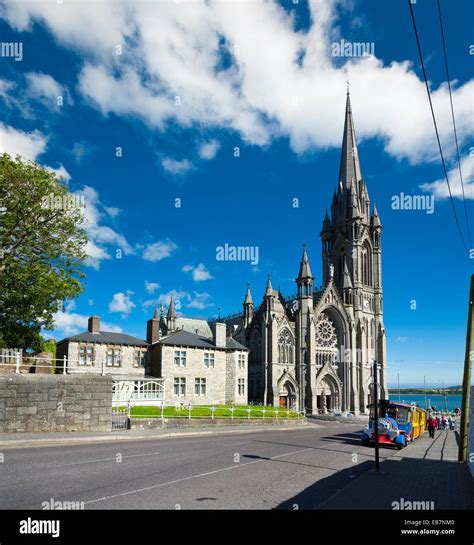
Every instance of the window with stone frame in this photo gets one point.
(179, 386)
(241, 386)
(86, 355)
(200, 386)
(114, 357)
(139, 358)
(180, 358)
(209, 360)
(241, 361)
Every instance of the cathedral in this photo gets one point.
(315, 351)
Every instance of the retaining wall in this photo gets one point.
(35, 403)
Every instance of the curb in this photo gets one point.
(65, 441)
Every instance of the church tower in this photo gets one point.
(305, 333)
(351, 243)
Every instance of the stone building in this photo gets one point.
(316, 350)
(94, 350)
(199, 364)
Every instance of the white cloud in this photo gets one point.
(158, 250)
(173, 166)
(181, 299)
(264, 92)
(209, 150)
(151, 287)
(200, 300)
(439, 188)
(200, 273)
(100, 235)
(112, 211)
(27, 144)
(68, 324)
(122, 302)
(45, 89)
(60, 172)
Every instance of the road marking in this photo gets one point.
(107, 459)
(235, 466)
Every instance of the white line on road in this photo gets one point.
(107, 459)
(235, 466)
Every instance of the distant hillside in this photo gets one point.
(450, 390)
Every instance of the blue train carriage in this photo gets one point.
(399, 424)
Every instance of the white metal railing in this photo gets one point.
(63, 365)
(213, 412)
(139, 392)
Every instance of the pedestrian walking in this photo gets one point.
(432, 426)
(444, 423)
(438, 420)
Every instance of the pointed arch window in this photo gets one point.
(286, 347)
(366, 265)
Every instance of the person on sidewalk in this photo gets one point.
(444, 423)
(432, 426)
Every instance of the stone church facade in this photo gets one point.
(315, 351)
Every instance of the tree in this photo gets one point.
(42, 249)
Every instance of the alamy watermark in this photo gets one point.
(12, 50)
(237, 253)
(413, 202)
(63, 202)
(352, 49)
(57, 505)
(409, 505)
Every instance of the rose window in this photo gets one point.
(326, 332)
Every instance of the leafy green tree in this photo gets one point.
(42, 249)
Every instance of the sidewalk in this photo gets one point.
(425, 471)
(20, 440)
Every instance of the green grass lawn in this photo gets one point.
(204, 411)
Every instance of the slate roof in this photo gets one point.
(106, 337)
(186, 338)
(193, 325)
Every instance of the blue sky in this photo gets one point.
(259, 77)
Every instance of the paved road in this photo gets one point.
(255, 470)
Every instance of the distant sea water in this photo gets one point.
(435, 400)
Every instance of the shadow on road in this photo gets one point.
(311, 497)
(448, 485)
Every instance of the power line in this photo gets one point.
(454, 121)
(435, 125)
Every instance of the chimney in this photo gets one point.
(153, 329)
(219, 335)
(94, 324)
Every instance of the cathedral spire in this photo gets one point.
(350, 166)
(171, 312)
(269, 290)
(305, 269)
(248, 296)
(375, 220)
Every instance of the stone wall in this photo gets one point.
(142, 423)
(47, 403)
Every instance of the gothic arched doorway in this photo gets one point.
(328, 395)
(287, 396)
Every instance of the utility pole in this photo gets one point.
(445, 401)
(424, 389)
(466, 383)
(376, 418)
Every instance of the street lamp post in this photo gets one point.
(376, 418)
